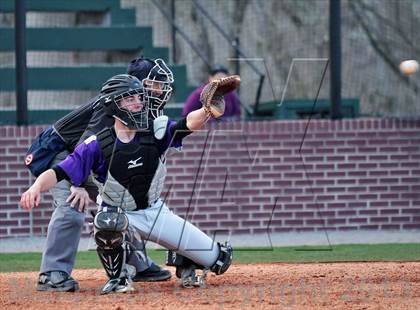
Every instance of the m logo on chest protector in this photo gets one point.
(134, 163)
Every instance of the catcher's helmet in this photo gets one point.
(123, 98)
(157, 81)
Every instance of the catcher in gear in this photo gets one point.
(67, 220)
(128, 161)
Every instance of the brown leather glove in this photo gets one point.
(212, 95)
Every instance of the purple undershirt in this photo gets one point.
(88, 157)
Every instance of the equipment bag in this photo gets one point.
(43, 150)
(64, 134)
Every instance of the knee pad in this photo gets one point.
(110, 228)
(224, 259)
(111, 221)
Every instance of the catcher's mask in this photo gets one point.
(157, 81)
(123, 98)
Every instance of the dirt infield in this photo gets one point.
(270, 286)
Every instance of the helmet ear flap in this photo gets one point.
(106, 103)
(109, 105)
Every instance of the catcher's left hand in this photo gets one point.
(212, 95)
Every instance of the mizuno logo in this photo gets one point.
(134, 163)
(108, 220)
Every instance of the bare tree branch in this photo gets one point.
(381, 48)
(390, 24)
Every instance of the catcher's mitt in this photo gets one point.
(212, 95)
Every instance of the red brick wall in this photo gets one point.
(348, 175)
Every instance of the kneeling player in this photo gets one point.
(129, 163)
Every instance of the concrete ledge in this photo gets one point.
(36, 244)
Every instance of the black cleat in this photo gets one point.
(56, 281)
(152, 274)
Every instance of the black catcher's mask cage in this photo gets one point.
(133, 119)
(124, 98)
(158, 87)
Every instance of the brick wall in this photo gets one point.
(245, 177)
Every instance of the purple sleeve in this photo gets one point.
(193, 102)
(87, 156)
(168, 141)
(174, 142)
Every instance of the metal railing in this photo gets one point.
(170, 17)
(233, 42)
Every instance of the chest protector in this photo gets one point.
(131, 169)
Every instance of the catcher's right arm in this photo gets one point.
(212, 95)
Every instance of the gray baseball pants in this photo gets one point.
(159, 224)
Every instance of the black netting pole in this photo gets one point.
(237, 61)
(20, 55)
(335, 58)
(173, 32)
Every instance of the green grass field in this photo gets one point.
(338, 253)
